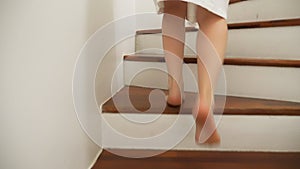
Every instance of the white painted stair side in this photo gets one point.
(258, 10)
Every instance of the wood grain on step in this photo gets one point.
(201, 160)
(227, 61)
(234, 105)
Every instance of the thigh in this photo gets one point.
(203, 15)
(176, 7)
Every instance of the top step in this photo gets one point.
(243, 25)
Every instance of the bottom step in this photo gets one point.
(176, 132)
(254, 130)
(201, 160)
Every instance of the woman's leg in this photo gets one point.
(173, 31)
(215, 29)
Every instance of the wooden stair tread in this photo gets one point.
(242, 25)
(227, 61)
(236, 1)
(234, 105)
(201, 159)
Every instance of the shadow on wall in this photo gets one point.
(96, 19)
(121, 9)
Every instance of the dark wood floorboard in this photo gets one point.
(234, 105)
(201, 160)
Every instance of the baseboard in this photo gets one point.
(95, 159)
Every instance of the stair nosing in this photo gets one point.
(236, 1)
(227, 61)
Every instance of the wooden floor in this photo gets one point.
(201, 160)
(234, 105)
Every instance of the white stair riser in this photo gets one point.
(263, 10)
(246, 81)
(277, 43)
(238, 133)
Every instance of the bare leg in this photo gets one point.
(173, 29)
(215, 28)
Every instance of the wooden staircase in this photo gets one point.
(256, 132)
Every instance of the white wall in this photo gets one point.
(147, 6)
(39, 44)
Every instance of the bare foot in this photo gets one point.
(174, 97)
(206, 130)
